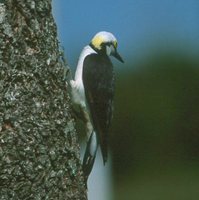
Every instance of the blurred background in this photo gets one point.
(154, 139)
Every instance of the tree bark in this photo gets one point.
(39, 150)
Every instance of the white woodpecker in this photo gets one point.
(93, 92)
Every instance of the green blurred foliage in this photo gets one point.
(155, 129)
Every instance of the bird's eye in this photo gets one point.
(115, 44)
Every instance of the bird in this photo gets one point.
(92, 92)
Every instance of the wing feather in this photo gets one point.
(98, 80)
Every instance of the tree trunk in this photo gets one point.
(39, 150)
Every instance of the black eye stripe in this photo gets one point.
(106, 44)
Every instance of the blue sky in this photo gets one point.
(137, 24)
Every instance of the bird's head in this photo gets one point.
(105, 42)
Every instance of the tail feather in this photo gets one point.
(90, 154)
(104, 151)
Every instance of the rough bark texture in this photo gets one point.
(39, 151)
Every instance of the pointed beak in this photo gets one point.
(117, 55)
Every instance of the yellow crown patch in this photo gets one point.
(97, 41)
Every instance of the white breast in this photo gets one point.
(78, 94)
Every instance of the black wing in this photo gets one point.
(98, 80)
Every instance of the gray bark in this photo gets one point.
(39, 150)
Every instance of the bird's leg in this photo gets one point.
(87, 121)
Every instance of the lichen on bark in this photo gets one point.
(39, 151)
